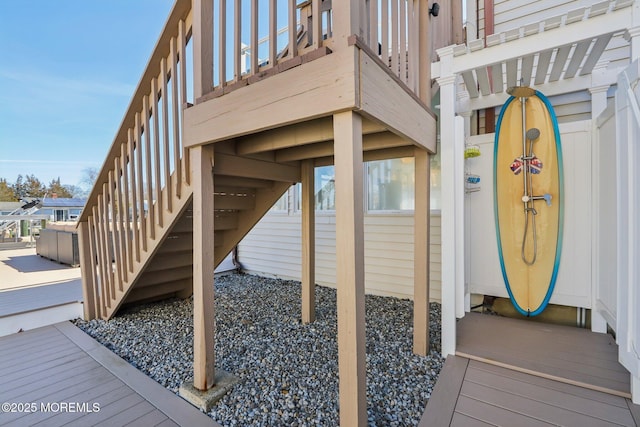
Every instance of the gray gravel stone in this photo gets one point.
(288, 371)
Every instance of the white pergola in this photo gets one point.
(559, 55)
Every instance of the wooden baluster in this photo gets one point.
(147, 162)
(254, 37)
(102, 259)
(412, 46)
(142, 223)
(134, 197)
(175, 99)
(394, 37)
(273, 32)
(156, 150)
(403, 41)
(101, 307)
(182, 57)
(385, 32)
(115, 236)
(87, 265)
(293, 29)
(222, 44)
(237, 42)
(373, 25)
(108, 244)
(127, 206)
(165, 134)
(122, 234)
(317, 24)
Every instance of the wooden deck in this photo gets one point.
(518, 373)
(49, 367)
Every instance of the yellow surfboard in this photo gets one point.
(528, 200)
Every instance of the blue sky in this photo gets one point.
(67, 72)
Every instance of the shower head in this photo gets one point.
(533, 134)
(521, 91)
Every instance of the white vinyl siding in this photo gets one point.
(273, 248)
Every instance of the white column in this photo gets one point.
(598, 104)
(448, 209)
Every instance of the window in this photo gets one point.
(325, 188)
(390, 185)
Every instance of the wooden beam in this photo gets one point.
(350, 269)
(375, 141)
(421, 254)
(308, 243)
(409, 117)
(298, 134)
(388, 153)
(251, 168)
(313, 89)
(203, 255)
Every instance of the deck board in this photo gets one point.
(500, 384)
(60, 363)
(574, 355)
(35, 298)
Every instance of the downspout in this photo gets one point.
(235, 260)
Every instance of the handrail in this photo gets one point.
(180, 12)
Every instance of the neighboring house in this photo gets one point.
(62, 209)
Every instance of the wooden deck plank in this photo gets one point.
(527, 407)
(40, 368)
(34, 384)
(635, 411)
(494, 415)
(554, 385)
(550, 397)
(441, 405)
(167, 423)
(568, 354)
(38, 297)
(108, 411)
(151, 419)
(174, 407)
(127, 416)
(66, 365)
(93, 394)
(13, 348)
(461, 420)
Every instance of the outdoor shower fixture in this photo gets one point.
(530, 165)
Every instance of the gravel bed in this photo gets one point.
(288, 371)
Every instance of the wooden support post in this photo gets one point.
(308, 243)
(350, 268)
(421, 254)
(203, 266)
(86, 263)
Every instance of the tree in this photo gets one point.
(58, 189)
(6, 192)
(33, 187)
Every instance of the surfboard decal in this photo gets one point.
(558, 251)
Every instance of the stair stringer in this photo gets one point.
(153, 245)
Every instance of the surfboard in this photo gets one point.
(529, 235)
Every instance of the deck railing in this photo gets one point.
(144, 172)
(393, 29)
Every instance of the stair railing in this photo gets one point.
(144, 173)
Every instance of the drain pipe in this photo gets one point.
(235, 260)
